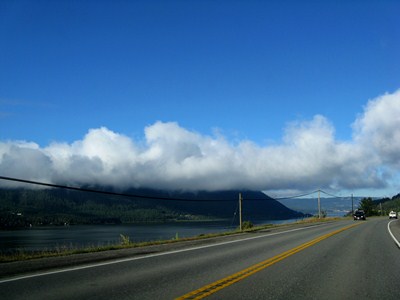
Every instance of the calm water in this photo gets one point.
(77, 236)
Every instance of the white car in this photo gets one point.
(393, 214)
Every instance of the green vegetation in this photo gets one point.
(247, 225)
(21, 208)
(380, 207)
(389, 204)
(25, 208)
(125, 241)
(368, 206)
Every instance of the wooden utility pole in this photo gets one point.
(352, 205)
(240, 211)
(319, 204)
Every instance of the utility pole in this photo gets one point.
(240, 211)
(352, 205)
(319, 204)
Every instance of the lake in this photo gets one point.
(79, 236)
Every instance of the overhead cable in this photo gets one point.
(80, 189)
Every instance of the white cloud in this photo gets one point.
(172, 157)
(378, 128)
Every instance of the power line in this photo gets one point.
(307, 194)
(80, 189)
(334, 196)
(51, 185)
(111, 193)
(296, 196)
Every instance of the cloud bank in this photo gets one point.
(172, 157)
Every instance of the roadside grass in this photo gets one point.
(125, 243)
(319, 220)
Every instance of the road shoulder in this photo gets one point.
(394, 230)
(18, 268)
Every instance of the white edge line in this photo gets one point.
(147, 256)
(391, 234)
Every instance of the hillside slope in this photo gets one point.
(22, 207)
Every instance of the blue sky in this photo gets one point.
(241, 72)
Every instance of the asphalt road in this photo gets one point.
(329, 261)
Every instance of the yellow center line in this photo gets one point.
(227, 281)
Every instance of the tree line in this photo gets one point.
(26, 208)
(55, 206)
(381, 206)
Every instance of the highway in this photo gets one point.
(336, 260)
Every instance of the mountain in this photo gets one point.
(23, 207)
(223, 204)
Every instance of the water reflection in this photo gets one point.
(79, 236)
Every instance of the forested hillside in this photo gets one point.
(24, 207)
(380, 207)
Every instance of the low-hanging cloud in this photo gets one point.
(172, 157)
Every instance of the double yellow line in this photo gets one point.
(227, 281)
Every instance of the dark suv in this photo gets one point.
(359, 215)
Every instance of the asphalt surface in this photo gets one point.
(362, 262)
(359, 262)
